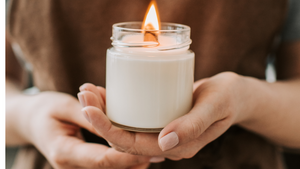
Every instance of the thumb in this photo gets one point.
(186, 128)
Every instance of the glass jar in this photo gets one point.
(148, 83)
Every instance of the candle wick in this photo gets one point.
(150, 36)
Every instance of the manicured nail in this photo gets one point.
(168, 141)
(81, 99)
(157, 159)
(86, 115)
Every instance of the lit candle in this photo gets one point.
(149, 74)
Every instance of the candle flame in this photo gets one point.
(151, 20)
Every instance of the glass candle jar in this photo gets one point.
(148, 84)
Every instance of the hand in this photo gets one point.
(216, 100)
(53, 126)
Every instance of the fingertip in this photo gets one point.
(82, 87)
(86, 86)
(81, 99)
(168, 141)
(156, 159)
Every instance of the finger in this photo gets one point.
(102, 92)
(71, 113)
(105, 128)
(122, 140)
(76, 153)
(92, 88)
(88, 98)
(187, 127)
(190, 149)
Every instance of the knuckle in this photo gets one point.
(122, 149)
(58, 154)
(58, 159)
(104, 164)
(118, 148)
(68, 101)
(62, 103)
(230, 75)
(232, 80)
(130, 148)
(133, 151)
(229, 79)
(136, 160)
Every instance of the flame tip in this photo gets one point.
(151, 20)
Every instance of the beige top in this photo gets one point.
(66, 42)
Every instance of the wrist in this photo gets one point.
(254, 98)
(23, 116)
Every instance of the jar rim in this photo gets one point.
(120, 26)
(180, 34)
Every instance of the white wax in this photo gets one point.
(148, 89)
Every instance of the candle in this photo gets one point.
(149, 83)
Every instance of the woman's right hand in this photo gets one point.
(51, 121)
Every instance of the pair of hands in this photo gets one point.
(215, 109)
(55, 129)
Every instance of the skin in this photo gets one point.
(54, 128)
(268, 109)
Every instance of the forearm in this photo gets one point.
(273, 110)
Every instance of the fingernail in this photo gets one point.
(156, 159)
(81, 99)
(168, 141)
(82, 88)
(86, 115)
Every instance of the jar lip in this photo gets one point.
(120, 26)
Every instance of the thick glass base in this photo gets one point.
(136, 129)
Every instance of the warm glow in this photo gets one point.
(152, 21)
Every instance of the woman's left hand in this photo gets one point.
(218, 103)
